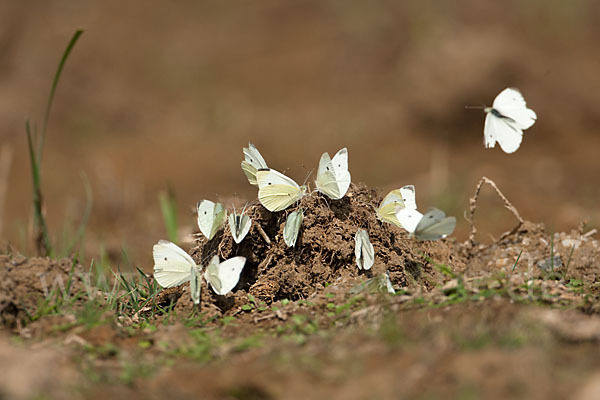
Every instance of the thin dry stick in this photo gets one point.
(265, 263)
(473, 207)
(263, 233)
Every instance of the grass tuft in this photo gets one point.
(42, 239)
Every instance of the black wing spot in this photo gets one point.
(327, 168)
(269, 183)
(165, 258)
(204, 212)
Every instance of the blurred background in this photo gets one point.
(160, 95)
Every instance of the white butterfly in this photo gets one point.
(378, 284)
(403, 198)
(211, 217)
(223, 277)
(333, 177)
(276, 191)
(253, 161)
(174, 267)
(434, 225)
(506, 120)
(239, 224)
(363, 250)
(292, 227)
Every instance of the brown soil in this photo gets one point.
(324, 252)
(485, 326)
(26, 283)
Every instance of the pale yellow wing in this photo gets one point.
(276, 191)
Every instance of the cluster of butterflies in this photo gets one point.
(276, 192)
(504, 124)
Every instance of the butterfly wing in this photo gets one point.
(503, 131)
(195, 285)
(211, 274)
(276, 191)
(489, 138)
(244, 227)
(253, 156)
(253, 161)
(434, 225)
(511, 104)
(387, 209)
(211, 217)
(340, 167)
(408, 197)
(292, 227)
(409, 219)
(250, 172)
(326, 179)
(363, 250)
(172, 265)
(224, 276)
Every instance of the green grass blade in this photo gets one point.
(42, 239)
(61, 65)
(516, 262)
(168, 206)
(78, 238)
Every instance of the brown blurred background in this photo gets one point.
(168, 93)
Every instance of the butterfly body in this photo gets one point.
(239, 225)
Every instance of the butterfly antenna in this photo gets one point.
(308, 176)
(481, 107)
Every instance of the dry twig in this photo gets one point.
(263, 233)
(473, 207)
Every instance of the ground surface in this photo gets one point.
(514, 319)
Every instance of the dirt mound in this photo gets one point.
(535, 252)
(26, 282)
(324, 251)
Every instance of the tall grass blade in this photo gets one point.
(42, 240)
(61, 65)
